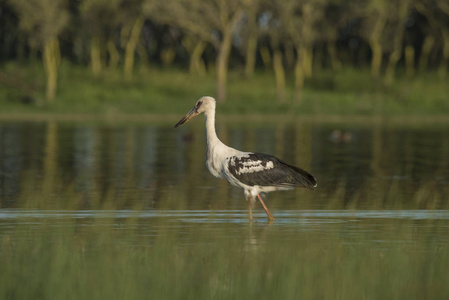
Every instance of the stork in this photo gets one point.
(254, 172)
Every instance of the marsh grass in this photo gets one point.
(55, 254)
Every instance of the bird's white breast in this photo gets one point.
(216, 158)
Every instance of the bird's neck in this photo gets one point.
(211, 134)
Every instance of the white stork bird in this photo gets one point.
(254, 172)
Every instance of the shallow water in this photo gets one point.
(382, 191)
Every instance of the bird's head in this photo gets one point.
(204, 104)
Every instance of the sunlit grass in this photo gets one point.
(163, 91)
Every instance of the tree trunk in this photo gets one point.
(222, 64)
(131, 47)
(318, 58)
(95, 56)
(51, 62)
(114, 56)
(196, 64)
(21, 48)
(425, 52)
(299, 75)
(289, 54)
(333, 53)
(376, 60)
(402, 13)
(395, 54)
(32, 55)
(409, 61)
(251, 42)
(143, 57)
(391, 67)
(307, 44)
(167, 55)
(307, 61)
(266, 57)
(195, 47)
(251, 49)
(376, 47)
(442, 72)
(279, 75)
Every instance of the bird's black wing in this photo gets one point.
(267, 170)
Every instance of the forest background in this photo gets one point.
(368, 57)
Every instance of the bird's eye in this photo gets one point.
(198, 104)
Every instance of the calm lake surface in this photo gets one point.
(378, 221)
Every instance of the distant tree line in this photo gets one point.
(298, 36)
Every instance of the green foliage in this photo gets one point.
(41, 20)
(305, 37)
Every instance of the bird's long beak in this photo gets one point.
(191, 114)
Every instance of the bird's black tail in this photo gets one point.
(298, 177)
(304, 178)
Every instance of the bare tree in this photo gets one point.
(43, 21)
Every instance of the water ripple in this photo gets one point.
(227, 215)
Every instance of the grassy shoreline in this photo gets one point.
(421, 120)
(349, 92)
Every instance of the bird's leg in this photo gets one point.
(251, 200)
(265, 207)
(250, 209)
